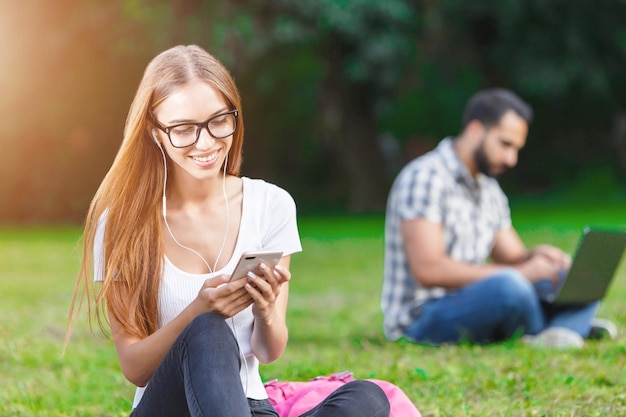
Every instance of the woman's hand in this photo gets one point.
(222, 296)
(265, 289)
(270, 292)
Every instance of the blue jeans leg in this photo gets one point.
(358, 398)
(489, 310)
(573, 317)
(199, 376)
(576, 318)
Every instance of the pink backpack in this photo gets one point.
(291, 399)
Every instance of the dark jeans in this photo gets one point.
(199, 376)
(355, 399)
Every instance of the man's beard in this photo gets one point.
(483, 164)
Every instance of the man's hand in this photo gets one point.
(544, 265)
(556, 255)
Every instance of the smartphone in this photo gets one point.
(250, 261)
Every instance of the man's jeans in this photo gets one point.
(495, 309)
(199, 376)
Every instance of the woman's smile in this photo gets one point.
(205, 160)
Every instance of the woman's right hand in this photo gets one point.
(222, 296)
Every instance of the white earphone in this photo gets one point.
(164, 214)
(154, 136)
(164, 208)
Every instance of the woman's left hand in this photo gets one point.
(264, 290)
(269, 291)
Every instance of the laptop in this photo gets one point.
(595, 262)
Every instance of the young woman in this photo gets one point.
(166, 228)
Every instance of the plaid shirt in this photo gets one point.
(437, 187)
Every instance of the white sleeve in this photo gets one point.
(281, 232)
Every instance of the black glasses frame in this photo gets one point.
(199, 127)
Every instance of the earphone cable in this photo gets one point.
(233, 325)
(164, 204)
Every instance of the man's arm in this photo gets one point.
(431, 265)
(429, 262)
(543, 261)
(508, 248)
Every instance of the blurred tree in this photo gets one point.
(360, 49)
(341, 63)
(338, 94)
(69, 72)
(567, 59)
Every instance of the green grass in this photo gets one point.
(335, 324)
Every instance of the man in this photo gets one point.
(446, 216)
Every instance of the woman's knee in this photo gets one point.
(208, 336)
(368, 397)
(206, 329)
(208, 320)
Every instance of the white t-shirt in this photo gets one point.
(268, 222)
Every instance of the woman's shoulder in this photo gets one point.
(259, 186)
(271, 197)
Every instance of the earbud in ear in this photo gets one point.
(154, 136)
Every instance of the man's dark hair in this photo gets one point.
(488, 107)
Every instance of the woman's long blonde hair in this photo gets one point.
(130, 198)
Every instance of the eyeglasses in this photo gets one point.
(186, 134)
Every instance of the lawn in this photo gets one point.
(335, 324)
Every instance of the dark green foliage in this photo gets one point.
(338, 94)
